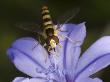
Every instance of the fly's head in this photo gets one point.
(52, 42)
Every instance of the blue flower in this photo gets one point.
(64, 65)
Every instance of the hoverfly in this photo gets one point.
(48, 30)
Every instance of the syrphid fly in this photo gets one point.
(48, 30)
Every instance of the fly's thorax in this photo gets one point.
(49, 30)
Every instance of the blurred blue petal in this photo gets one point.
(95, 58)
(88, 80)
(22, 79)
(28, 60)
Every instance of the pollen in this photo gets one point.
(52, 43)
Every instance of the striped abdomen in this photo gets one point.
(46, 16)
(47, 21)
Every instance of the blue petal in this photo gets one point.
(28, 60)
(22, 79)
(69, 53)
(95, 58)
(88, 80)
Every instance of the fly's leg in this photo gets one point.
(74, 42)
(44, 45)
(37, 44)
(59, 45)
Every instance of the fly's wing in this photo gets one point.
(68, 16)
(32, 27)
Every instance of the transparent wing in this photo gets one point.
(68, 16)
(32, 27)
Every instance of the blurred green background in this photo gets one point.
(96, 14)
